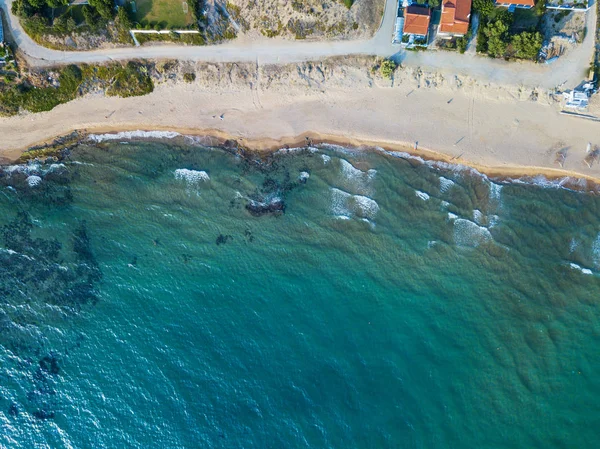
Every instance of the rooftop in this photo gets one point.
(455, 16)
(516, 2)
(416, 20)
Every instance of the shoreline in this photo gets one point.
(498, 130)
(268, 145)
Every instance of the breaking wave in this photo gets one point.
(125, 135)
(344, 204)
(574, 266)
(191, 176)
(424, 196)
(470, 234)
(445, 184)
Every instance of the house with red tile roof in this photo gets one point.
(416, 21)
(455, 17)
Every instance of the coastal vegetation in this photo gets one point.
(38, 92)
(507, 35)
(58, 24)
(387, 68)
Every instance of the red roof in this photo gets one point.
(455, 16)
(416, 20)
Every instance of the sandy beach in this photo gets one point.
(499, 129)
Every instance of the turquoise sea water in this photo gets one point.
(380, 302)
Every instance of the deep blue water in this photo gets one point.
(169, 295)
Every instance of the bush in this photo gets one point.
(483, 7)
(497, 35)
(348, 3)
(45, 99)
(387, 68)
(126, 81)
(130, 81)
(526, 45)
(189, 77)
(104, 8)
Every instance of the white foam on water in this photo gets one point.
(493, 220)
(468, 233)
(445, 204)
(32, 168)
(325, 158)
(304, 176)
(347, 205)
(55, 167)
(573, 245)
(496, 187)
(452, 216)
(495, 191)
(424, 196)
(365, 206)
(583, 270)
(33, 180)
(191, 176)
(296, 149)
(445, 184)
(358, 177)
(339, 202)
(478, 217)
(133, 135)
(596, 251)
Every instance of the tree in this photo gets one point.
(483, 7)
(527, 45)
(496, 33)
(430, 3)
(104, 8)
(71, 24)
(387, 68)
(89, 16)
(36, 25)
(56, 3)
(123, 19)
(22, 8)
(59, 25)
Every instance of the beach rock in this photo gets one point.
(303, 177)
(258, 208)
(222, 239)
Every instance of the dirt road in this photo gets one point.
(570, 69)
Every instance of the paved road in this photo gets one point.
(570, 68)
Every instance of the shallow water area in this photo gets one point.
(169, 294)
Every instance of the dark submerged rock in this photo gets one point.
(222, 239)
(258, 208)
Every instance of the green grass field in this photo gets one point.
(169, 13)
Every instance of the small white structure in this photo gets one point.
(579, 98)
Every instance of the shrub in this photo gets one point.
(189, 77)
(104, 8)
(387, 68)
(483, 7)
(526, 45)
(130, 81)
(496, 34)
